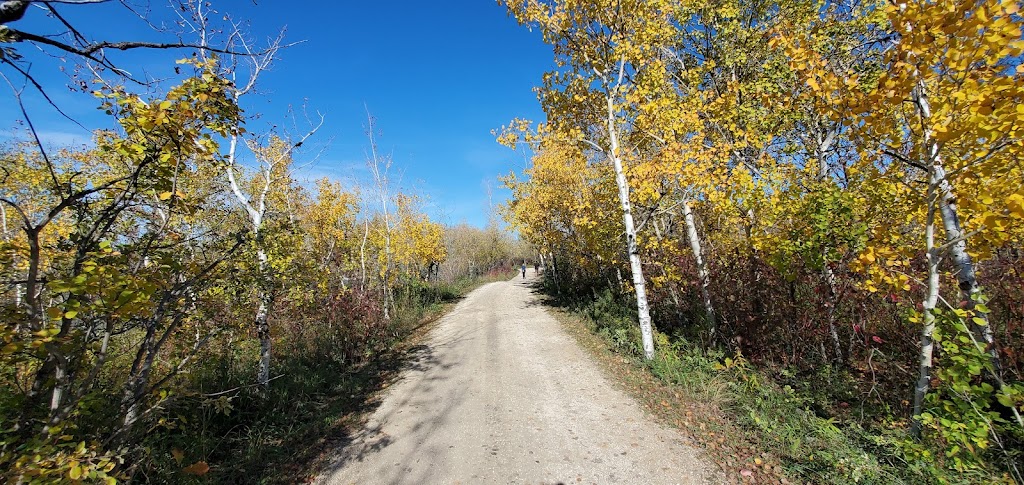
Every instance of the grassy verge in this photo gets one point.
(756, 429)
(289, 433)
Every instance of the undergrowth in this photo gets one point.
(235, 432)
(810, 423)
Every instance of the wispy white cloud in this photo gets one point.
(349, 173)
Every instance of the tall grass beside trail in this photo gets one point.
(334, 357)
(811, 423)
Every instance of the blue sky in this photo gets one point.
(437, 76)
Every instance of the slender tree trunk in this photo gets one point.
(759, 309)
(60, 378)
(956, 242)
(33, 306)
(264, 286)
(833, 302)
(964, 267)
(555, 274)
(262, 322)
(702, 269)
(381, 179)
(823, 145)
(137, 387)
(671, 285)
(34, 311)
(362, 257)
(131, 402)
(967, 280)
(927, 343)
(60, 383)
(646, 328)
(18, 289)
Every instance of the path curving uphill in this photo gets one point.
(499, 393)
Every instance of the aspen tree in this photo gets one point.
(603, 45)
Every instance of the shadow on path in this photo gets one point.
(328, 406)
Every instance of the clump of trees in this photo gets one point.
(811, 184)
(487, 252)
(166, 269)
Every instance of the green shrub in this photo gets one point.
(963, 431)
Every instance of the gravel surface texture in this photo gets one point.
(499, 393)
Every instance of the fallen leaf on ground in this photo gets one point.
(198, 468)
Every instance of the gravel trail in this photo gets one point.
(500, 393)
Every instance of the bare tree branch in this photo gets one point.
(88, 51)
(31, 80)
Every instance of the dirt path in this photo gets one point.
(501, 394)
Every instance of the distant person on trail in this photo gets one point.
(524, 270)
(536, 268)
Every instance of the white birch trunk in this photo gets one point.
(965, 276)
(60, 377)
(967, 281)
(956, 242)
(362, 257)
(262, 320)
(646, 330)
(824, 144)
(833, 302)
(7, 237)
(264, 283)
(927, 343)
(702, 268)
(381, 180)
(258, 210)
(382, 184)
